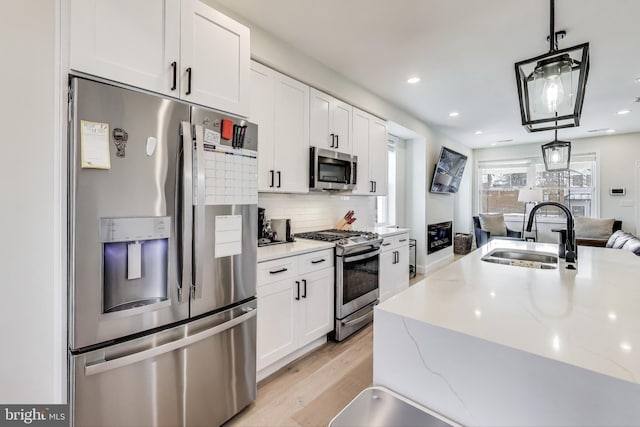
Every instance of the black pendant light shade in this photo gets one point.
(551, 86)
(556, 155)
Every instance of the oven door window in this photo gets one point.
(337, 172)
(359, 278)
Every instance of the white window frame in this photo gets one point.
(530, 164)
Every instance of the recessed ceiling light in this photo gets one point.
(622, 112)
(413, 80)
(478, 132)
(454, 114)
(610, 130)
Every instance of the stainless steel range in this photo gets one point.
(357, 277)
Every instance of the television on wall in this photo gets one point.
(448, 171)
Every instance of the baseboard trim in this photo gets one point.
(276, 366)
(436, 265)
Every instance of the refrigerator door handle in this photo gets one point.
(100, 367)
(186, 207)
(196, 286)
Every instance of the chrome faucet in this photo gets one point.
(569, 242)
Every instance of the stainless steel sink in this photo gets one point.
(522, 258)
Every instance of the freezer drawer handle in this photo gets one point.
(100, 367)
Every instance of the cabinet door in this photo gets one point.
(276, 322)
(291, 142)
(215, 49)
(361, 132)
(378, 156)
(132, 42)
(261, 112)
(320, 120)
(316, 311)
(401, 269)
(341, 114)
(387, 270)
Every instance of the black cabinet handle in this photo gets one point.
(304, 289)
(371, 182)
(337, 140)
(279, 178)
(188, 91)
(272, 176)
(317, 261)
(174, 71)
(282, 270)
(298, 290)
(386, 244)
(402, 240)
(333, 138)
(375, 186)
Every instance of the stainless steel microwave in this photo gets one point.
(332, 171)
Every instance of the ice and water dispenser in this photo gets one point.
(135, 261)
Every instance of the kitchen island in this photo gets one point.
(490, 344)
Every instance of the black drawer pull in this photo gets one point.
(282, 270)
(402, 240)
(317, 261)
(386, 244)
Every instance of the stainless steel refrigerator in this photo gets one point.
(162, 260)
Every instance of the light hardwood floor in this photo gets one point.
(313, 389)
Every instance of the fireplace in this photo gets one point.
(439, 236)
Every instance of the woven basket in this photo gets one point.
(462, 243)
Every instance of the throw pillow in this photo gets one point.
(618, 239)
(593, 228)
(494, 224)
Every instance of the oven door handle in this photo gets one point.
(361, 256)
(365, 317)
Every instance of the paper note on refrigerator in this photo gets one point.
(228, 235)
(94, 145)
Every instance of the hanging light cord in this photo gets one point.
(553, 45)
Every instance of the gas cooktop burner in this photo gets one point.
(342, 237)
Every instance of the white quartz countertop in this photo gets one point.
(283, 250)
(589, 317)
(385, 231)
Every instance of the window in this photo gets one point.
(386, 205)
(499, 183)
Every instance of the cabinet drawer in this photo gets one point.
(278, 269)
(315, 261)
(394, 242)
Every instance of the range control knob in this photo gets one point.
(343, 242)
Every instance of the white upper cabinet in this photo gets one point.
(280, 107)
(330, 121)
(133, 42)
(215, 56)
(370, 145)
(180, 48)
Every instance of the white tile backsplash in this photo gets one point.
(318, 211)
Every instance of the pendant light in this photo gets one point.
(556, 155)
(551, 86)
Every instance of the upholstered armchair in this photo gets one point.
(595, 231)
(484, 235)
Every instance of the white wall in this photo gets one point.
(32, 306)
(427, 208)
(616, 167)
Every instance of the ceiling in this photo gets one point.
(464, 52)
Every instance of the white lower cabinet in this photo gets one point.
(295, 304)
(394, 265)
